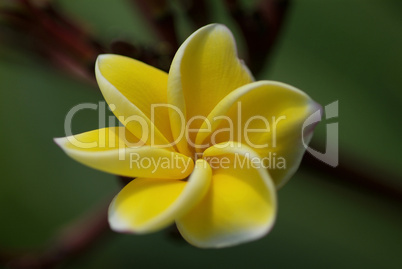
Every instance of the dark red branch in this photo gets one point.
(69, 243)
(160, 17)
(381, 184)
(55, 37)
(197, 11)
(152, 55)
(260, 28)
(67, 35)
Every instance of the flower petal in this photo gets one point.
(131, 88)
(268, 117)
(115, 150)
(147, 205)
(204, 70)
(240, 205)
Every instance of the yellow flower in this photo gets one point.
(207, 145)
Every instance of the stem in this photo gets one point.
(69, 243)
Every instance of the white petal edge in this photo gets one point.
(93, 158)
(175, 95)
(247, 236)
(225, 104)
(110, 92)
(194, 191)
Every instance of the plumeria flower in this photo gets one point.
(206, 145)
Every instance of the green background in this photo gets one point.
(333, 50)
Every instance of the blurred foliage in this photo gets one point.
(334, 50)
